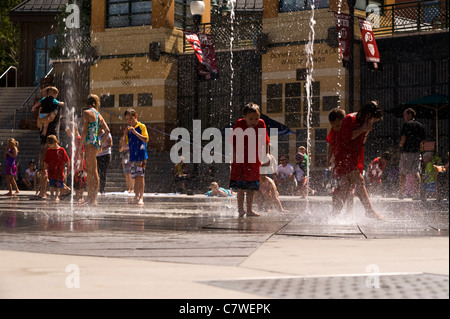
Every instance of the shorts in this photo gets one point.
(126, 165)
(409, 163)
(137, 168)
(55, 183)
(244, 185)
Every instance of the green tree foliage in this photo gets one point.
(9, 36)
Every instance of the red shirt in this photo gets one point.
(246, 163)
(349, 155)
(332, 140)
(55, 160)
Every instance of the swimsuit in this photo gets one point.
(11, 168)
(92, 133)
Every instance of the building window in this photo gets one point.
(293, 104)
(320, 147)
(145, 99)
(125, 100)
(301, 5)
(127, 13)
(42, 62)
(330, 102)
(107, 100)
(183, 16)
(274, 98)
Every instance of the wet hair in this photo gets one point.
(336, 114)
(371, 108)
(410, 111)
(52, 139)
(52, 90)
(13, 141)
(251, 108)
(93, 101)
(131, 112)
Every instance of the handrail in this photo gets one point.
(6, 72)
(32, 93)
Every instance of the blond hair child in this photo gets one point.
(11, 167)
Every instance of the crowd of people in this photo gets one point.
(90, 157)
(346, 173)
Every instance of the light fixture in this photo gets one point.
(225, 9)
(197, 8)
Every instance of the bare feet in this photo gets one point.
(253, 214)
(242, 213)
(376, 215)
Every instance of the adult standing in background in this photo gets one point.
(104, 158)
(411, 145)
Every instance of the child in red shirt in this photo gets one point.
(335, 117)
(375, 172)
(54, 162)
(245, 168)
(349, 156)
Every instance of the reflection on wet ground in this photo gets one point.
(196, 230)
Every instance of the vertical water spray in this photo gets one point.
(339, 82)
(232, 17)
(309, 81)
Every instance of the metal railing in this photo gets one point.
(410, 17)
(5, 74)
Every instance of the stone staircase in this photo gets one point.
(10, 99)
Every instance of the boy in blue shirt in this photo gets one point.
(136, 136)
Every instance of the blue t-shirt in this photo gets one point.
(49, 104)
(138, 148)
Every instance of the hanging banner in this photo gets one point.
(203, 46)
(342, 21)
(368, 39)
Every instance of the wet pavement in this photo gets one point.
(204, 231)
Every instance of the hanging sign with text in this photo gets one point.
(203, 46)
(368, 39)
(342, 21)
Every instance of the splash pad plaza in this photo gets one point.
(180, 246)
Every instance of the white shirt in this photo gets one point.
(284, 172)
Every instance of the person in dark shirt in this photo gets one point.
(411, 144)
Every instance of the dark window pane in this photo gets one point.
(274, 91)
(107, 100)
(293, 89)
(321, 134)
(301, 135)
(125, 100)
(330, 102)
(293, 105)
(274, 106)
(145, 99)
(293, 119)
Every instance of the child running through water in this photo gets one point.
(245, 168)
(136, 136)
(349, 157)
(55, 160)
(11, 167)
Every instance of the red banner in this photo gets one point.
(203, 46)
(368, 39)
(342, 21)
